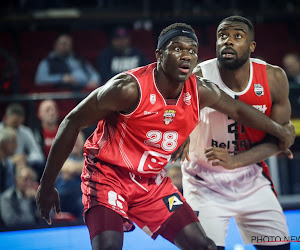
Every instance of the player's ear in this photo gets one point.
(158, 54)
(252, 46)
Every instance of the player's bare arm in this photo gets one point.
(211, 96)
(120, 94)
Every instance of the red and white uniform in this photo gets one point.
(219, 189)
(126, 154)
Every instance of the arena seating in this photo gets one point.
(29, 47)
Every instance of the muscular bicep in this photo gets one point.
(279, 89)
(120, 94)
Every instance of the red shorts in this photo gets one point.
(149, 202)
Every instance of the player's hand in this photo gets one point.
(220, 157)
(182, 152)
(46, 199)
(287, 138)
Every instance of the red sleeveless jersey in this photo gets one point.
(259, 97)
(144, 140)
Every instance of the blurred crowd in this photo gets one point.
(23, 152)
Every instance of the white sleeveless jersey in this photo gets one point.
(219, 130)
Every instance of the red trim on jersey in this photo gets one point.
(259, 97)
(266, 174)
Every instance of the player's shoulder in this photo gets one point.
(143, 71)
(121, 92)
(277, 78)
(275, 73)
(198, 71)
(274, 69)
(124, 83)
(205, 86)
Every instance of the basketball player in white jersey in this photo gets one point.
(226, 176)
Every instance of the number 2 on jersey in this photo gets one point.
(168, 143)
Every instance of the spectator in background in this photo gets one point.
(174, 172)
(45, 133)
(69, 180)
(17, 204)
(291, 65)
(64, 68)
(119, 56)
(28, 150)
(8, 145)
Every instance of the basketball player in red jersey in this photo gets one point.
(145, 114)
(235, 182)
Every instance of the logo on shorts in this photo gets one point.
(116, 201)
(169, 116)
(173, 202)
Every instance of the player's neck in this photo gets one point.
(169, 88)
(237, 80)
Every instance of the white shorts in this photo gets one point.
(257, 214)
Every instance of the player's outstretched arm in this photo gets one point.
(260, 152)
(211, 96)
(120, 94)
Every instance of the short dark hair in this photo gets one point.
(174, 26)
(240, 19)
(15, 109)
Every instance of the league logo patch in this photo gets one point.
(169, 116)
(187, 98)
(258, 89)
(172, 202)
(152, 99)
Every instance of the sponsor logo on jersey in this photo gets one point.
(187, 98)
(150, 112)
(258, 89)
(169, 116)
(261, 108)
(152, 99)
(233, 146)
(173, 202)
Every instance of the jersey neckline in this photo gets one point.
(229, 90)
